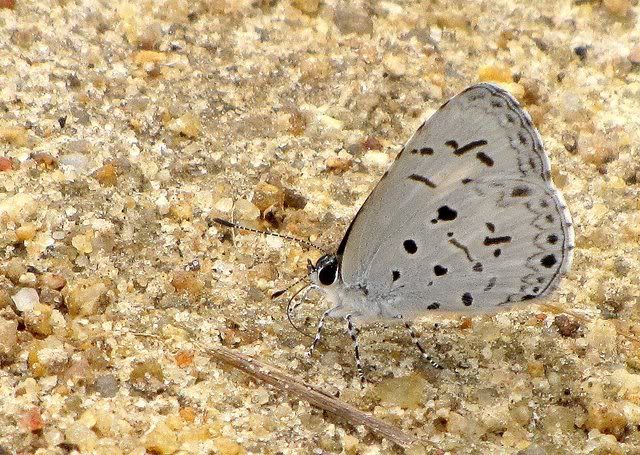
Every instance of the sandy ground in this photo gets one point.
(125, 127)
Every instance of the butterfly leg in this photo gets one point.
(416, 341)
(316, 339)
(356, 349)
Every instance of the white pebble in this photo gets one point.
(26, 299)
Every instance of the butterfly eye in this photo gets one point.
(327, 273)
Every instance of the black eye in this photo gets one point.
(327, 274)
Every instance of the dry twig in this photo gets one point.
(316, 397)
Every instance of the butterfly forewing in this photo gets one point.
(466, 218)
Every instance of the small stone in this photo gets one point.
(350, 444)
(77, 434)
(161, 440)
(634, 55)
(352, 18)
(106, 385)
(225, 205)
(495, 73)
(184, 281)
(405, 391)
(606, 417)
(188, 414)
(75, 161)
(294, 200)
(149, 57)
(106, 175)
(83, 242)
(394, 66)
(567, 327)
(83, 298)
(338, 163)
(26, 299)
(618, 8)
(181, 211)
(602, 336)
(47, 357)
(25, 232)
(52, 281)
(536, 369)
(188, 125)
(5, 163)
(376, 158)
(7, 4)
(16, 136)
(266, 195)
(306, 6)
(147, 377)
(32, 420)
(246, 210)
(8, 340)
(226, 446)
(38, 321)
(371, 143)
(184, 359)
(45, 159)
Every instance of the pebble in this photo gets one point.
(5, 164)
(16, 135)
(106, 175)
(83, 242)
(77, 434)
(226, 446)
(25, 232)
(338, 163)
(618, 8)
(8, 340)
(495, 73)
(607, 418)
(307, 6)
(83, 298)
(181, 211)
(394, 65)
(352, 18)
(405, 392)
(7, 4)
(26, 299)
(266, 195)
(161, 440)
(566, 326)
(188, 125)
(52, 281)
(38, 321)
(634, 55)
(246, 210)
(106, 385)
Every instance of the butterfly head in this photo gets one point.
(325, 271)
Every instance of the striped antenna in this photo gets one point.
(230, 224)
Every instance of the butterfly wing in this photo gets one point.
(466, 218)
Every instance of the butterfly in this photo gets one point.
(466, 220)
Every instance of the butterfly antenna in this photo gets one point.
(277, 294)
(230, 224)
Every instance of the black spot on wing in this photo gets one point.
(496, 240)
(433, 306)
(552, 239)
(485, 159)
(395, 275)
(440, 270)
(446, 213)
(548, 261)
(470, 146)
(491, 227)
(422, 179)
(410, 246)
(467, 299)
